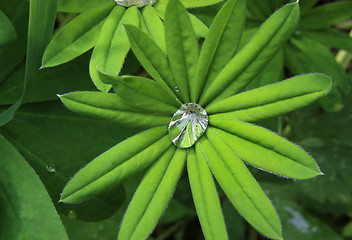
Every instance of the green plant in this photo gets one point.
(199, 115)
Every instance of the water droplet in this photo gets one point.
(72, 214)
(176, 89)
(51, 168)
(187, 125)
(138, 3)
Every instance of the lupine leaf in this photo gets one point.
(306, 5)
(7, 30)
(182, 47)
(152, 195)
(240, 186)
(114, 165)
(112, 45)
(155, 26)
(198, 3)
(152, 58)
(272, 100)
(254, 56)
(109, 106)
(331, 37)
(220, 45)
(142, 92)
(267, 150)
(205, 196)
(26, 208)
(326, 15)
(77, 6)
(76, 37)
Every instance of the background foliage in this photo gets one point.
(44, 144)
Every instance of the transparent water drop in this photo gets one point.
(51, 168)
(138, 3)
(176, 89)
(72, 214)
(187, 125)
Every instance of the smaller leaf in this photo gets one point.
(182, 47)
(7, 30)
(240, 186)
(272, 100)
(205, 196)
(152, 195)
(266, 150)
(76, 37)
(326, 15)
(142, 93)
(116, 164)
(111, 107)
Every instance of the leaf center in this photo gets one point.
(138, 3)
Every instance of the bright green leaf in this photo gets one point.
(254, 56)
(109, 106)
(26, 208)
(76, 37)
(182, 47)
(7, 30)
(205, 196)
(272, 100)
(116, 164)
(266, 150)
(77, 6)
(220, 45)
(152, 195)
(198, 3)
(240, 186)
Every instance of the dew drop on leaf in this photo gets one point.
(187, 125)
(138, 3)
(72, 214)
(51, 168)
(176, 89)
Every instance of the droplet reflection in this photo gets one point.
(51, 168)
(187, 125)
(138, 3)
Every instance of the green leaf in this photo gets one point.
(41, 22)
(27, 211)
(326, 15)
(198, 3)
(111, 107)
(182, 47)
(77, 6)
(112, 45)
(7, 30)
(205, 196)
(347, 230)
(76, 37)
(220, 45)
(154, 26)
(272, 100)
(116, 164)
(152, 58)
(266, 150)
(254, 56)
(78, 140)
(330, 37)
(240, 186)
(152, 195)
(319, 59)
(142, 93)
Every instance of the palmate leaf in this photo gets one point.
(220, 45)
(76, 37)
(111, 107)
(182, 47)
(26, 208)
(254, 56)
(239, 185)
(272, 100)
(110, 168)
(77, 6)
(266, 150)
(153, 195)
(205, 196)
